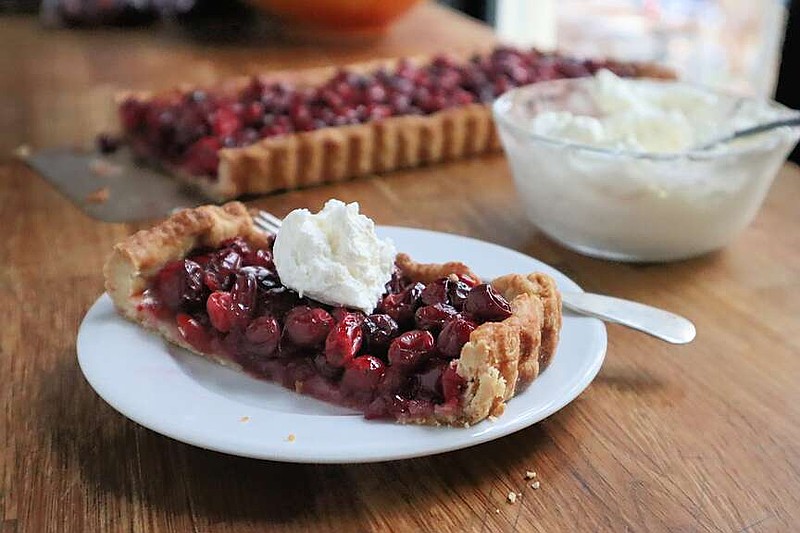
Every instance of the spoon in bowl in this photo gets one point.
(747, 132)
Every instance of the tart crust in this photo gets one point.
(334, 154)
(499, 359)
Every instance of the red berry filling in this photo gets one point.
(396, 363)
(188, 129)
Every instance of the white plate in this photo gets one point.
(198, 402)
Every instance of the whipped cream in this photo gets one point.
(642, 116)
(334, 256)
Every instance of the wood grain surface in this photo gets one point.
(703, 437)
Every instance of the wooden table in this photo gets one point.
(696, 438)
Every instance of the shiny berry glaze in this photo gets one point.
(397, 363)
(188, 129)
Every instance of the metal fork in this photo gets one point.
(267, 222)
(645, 318)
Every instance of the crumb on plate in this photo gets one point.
(244, 419)
(291, 437)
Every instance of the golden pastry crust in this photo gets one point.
(333, 154)
(499, 358)
(543, 287)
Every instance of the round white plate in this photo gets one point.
(185, 397)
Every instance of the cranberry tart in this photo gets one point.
(261, 134)
(441, 347)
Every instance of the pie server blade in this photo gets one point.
(112, 188)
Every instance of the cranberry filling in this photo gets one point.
(398, 362)
(188, 129)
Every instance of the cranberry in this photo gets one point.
(107, 143)
(179, 284)
(362, 374)
(132, 113)
(253, 113)
(502, 85)
(338, 313)
(434, 317)
(277, 300)
(569, 68)
(344, 340)
(236, 244)
(193, 331)
(401, 306)
(400, 104)
(220, 270)
(454, 336)
(266, 279)
(308, 327)
(264, 335)
(436, 292)
(219, 307)
(259, 258)
(411, 348)
(452, 383)
(487, 304)
(159, 121)
(427, 383)
(379, 330)
(243, 298)
(225, 122)
(377, 111)
(202, 157)
(375, 93)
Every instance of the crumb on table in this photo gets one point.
(530, 474)
(512, 497)
(535, 485)
(23, 151)
(99, 196)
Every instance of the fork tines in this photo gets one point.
(267, 222)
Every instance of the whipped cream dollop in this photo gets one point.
(644, 116)
(334, 256)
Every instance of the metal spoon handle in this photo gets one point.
(746, 132)
(651, 320)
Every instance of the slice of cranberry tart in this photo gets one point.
(439, 348)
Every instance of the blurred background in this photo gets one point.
(746, 46)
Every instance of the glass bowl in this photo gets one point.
(637, 206)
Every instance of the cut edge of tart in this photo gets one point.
(498, 359)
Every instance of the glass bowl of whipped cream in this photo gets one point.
(615, 168)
